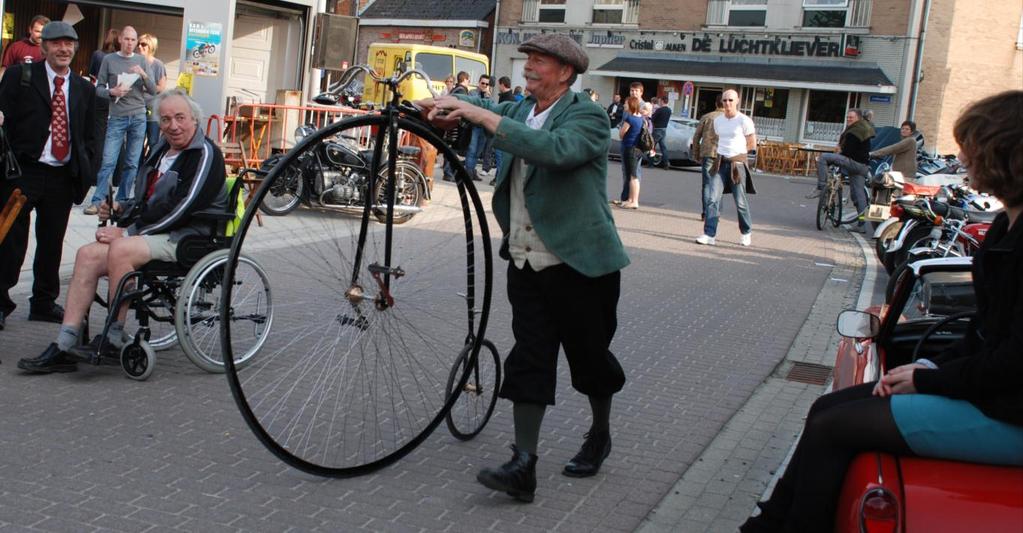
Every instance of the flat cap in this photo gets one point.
(59, 30)
(560, 46)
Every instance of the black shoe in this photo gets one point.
(449, 177)
(51, 360)
(586, 463)
(516, 477)
(51, 313)
(86, 351)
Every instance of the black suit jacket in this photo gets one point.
(27, 121)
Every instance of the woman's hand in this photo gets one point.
(109, 234)
(898, 380)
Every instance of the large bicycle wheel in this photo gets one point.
(478, 395)
(353, 372)
(823, 202)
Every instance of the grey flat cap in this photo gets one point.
(59, 30)
(560, 46)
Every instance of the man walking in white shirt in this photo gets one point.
(736, 137)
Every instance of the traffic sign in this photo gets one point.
(687, 88)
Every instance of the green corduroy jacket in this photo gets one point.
(566, 179)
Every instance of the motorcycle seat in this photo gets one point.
(948, 211)
(409, 151)
(981, 216)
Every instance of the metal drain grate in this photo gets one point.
(811, 373)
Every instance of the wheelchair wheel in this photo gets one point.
(160, 298)
(197, 316)
(138, 360)
(478, 396)
(368, 315)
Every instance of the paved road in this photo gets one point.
(700, 328)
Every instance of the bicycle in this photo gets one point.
(829, 203)
(370, 315)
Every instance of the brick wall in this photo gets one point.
(969, 54)
(890, 17)
(511, 13)
(679, 15)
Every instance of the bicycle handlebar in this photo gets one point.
(396, 79)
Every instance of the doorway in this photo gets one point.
(706, 97)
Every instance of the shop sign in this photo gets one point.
(880, 98)
(519, 37)
(203, 46)
(410, 36)
(606, 40)
(467, 38)
(819, 46)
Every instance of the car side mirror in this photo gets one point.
(858, 324)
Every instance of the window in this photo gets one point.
(825, 13)
(552, 11)
(608, 11)
(436, 66)
(747, 13)
(825, 115)
(473, 67)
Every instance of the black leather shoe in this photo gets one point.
(52, 360)
(516, 477)
(586, 463)
(52, 313)
(86, 351)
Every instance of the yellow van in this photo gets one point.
(436, 61)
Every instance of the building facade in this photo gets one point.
(463, 24)
(798, 64)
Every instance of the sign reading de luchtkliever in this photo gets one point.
(701, 43)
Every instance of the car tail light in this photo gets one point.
(879, 512)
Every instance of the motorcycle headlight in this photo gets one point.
(302, 132)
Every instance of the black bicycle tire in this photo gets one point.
(290, 206)
(836, 207)
(461, 363)
(822, 209)
(469, 197)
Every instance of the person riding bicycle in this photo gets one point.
(185, 174)
(852, 158)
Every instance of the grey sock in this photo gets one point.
(116, 334)
(528, 417)
(67, 337)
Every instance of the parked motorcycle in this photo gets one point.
(336, 175)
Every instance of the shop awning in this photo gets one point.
(819, 76)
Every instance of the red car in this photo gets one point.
(929, 309)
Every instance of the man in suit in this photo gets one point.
(615, 110)
(564, 252)
(48, 113)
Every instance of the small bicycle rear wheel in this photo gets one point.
(478, 395)
(836, 207)
(823, 203)
(354, 371)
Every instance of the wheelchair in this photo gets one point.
(181, 301)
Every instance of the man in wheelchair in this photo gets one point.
(182, 176)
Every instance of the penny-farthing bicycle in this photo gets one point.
(370, 316)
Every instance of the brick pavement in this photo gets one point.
(700, 331)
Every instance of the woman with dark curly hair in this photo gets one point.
(965, 403)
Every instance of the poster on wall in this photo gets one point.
(8, 29)
(467, 38)
(202, 49)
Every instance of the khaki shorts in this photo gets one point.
(161, 248)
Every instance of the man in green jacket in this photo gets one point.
(564, 252)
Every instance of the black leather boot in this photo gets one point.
(595, 449)
(516, 477)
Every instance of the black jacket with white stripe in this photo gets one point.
(194, 182)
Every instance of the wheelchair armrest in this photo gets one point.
(216, 215)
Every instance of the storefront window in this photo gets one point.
(825, 115)
(770, 107)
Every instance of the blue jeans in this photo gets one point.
(705, 192)
(475, 145)
(631, 159)
(661, 144)
(856, 171)
(717, 190)
(120, 130)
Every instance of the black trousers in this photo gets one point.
(49, 194)
(554, 307)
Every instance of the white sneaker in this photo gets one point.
(705, 239)
(746, 239)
